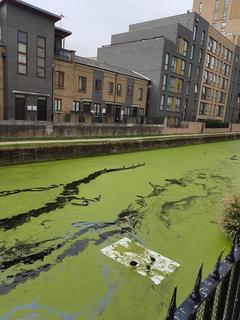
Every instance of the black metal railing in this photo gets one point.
(217, 297)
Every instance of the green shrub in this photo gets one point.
(230, 219)
(216, 124)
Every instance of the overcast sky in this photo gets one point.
(92, 22)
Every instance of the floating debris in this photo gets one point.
(146, 262)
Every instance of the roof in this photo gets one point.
(108, 67)
(27, 6)
(62, 32)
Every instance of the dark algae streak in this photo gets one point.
(68, 194)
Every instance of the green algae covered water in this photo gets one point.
(56, 217)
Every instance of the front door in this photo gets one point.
(117, 114)
(42, 109)
(20, 108)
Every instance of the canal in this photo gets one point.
(56, 217)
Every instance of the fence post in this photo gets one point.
(173, 306)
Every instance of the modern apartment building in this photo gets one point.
(223, 15)
(42, 81)
(191, 65)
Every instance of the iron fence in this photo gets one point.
(215, 298)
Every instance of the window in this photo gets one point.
(175, 85)
(97, 109)
(167, 58)
(22, 53)
(76, 106)
(129, 91)
(190, 70)
(196, 88)
(223, 26)
(41, 57)
(200, 7)
(98, 85)
(110, 88)
(225, 15)
(203, 38)
(182, 46)
(178, 104)
(203, 108)
(217, 4)
(162, 103)
(164, 84)
(127, 111)
(192, 51)
(59, 79)
(82, 84)
(200, 56)
(57, 105)
(195, 29)
(140, 94)
(169, 103)
(178, 65)
(119, 89)
(220, 111)
(226, 3)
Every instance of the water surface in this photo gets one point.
(55, 217)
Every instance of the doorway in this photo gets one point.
(117, 114)
(42, 109)
(20, 108)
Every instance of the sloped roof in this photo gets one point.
(107, 67)
(25, 5)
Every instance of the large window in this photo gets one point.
(59, 79)
(41, 57)
(175, 85)
(182, 46)
(82, 84)
(178, 66)
(22, 52)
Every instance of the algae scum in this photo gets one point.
(57, 217)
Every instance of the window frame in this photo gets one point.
(44, 59)
(59, 102)
(83, 87)
(22, 53)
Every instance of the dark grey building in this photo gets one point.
(28, 34)
(172, 52)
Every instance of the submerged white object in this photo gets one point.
(148, 263)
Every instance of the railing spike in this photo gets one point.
(173, 306)
(215, 272)
(195, 295)
(231, 258)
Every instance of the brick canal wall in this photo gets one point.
(24, 129)
(13, 155)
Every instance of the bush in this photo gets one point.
(216, 124)
(230, 219)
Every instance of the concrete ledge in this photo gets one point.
(12, 155)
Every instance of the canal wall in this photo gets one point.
(32, 130)
(14, 155)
